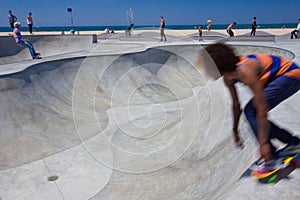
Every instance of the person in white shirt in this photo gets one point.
(30, 22)
(106, 30)
(24, 42)
(296, 31)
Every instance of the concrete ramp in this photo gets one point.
(145, 125)
(46, 45)
(257, 38)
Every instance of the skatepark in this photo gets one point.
(129, 118)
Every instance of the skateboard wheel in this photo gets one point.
(273, 179)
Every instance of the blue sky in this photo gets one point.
(147, 12)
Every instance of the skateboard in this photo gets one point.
(289, 164)
(290, 160)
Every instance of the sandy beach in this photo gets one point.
(131, 118)
(278, 32)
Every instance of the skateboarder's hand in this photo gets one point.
(238, 141)
(265, 151)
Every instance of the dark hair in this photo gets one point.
(223, 56)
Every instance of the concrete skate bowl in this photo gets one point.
(48, 45)
(145, 125)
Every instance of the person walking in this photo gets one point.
(162, 29)
(208, 27)
(209, 21)
(11, 19)
(29, 22)
(296, 30)
(271, 79)
(129, 30)
(254, 27)
(229, 29)
(24, 42)
(200, 32)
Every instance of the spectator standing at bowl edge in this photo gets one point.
(11, 19)
(162, 29)
(30, 22)
(254, 26)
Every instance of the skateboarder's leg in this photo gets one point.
(276, 92)
(30, 47)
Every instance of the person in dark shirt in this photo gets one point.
(200, 32)
(162, 29)
(129, 30)
(11, 19)
(254, 26)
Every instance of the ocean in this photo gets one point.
(149, 27)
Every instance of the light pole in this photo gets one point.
(129, 15)
(70, 11)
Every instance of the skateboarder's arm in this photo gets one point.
(15, 35)
(236, 112)
(249, 77)
(235, 105)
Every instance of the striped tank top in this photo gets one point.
(273, 67)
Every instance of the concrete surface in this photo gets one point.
(128, 119)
